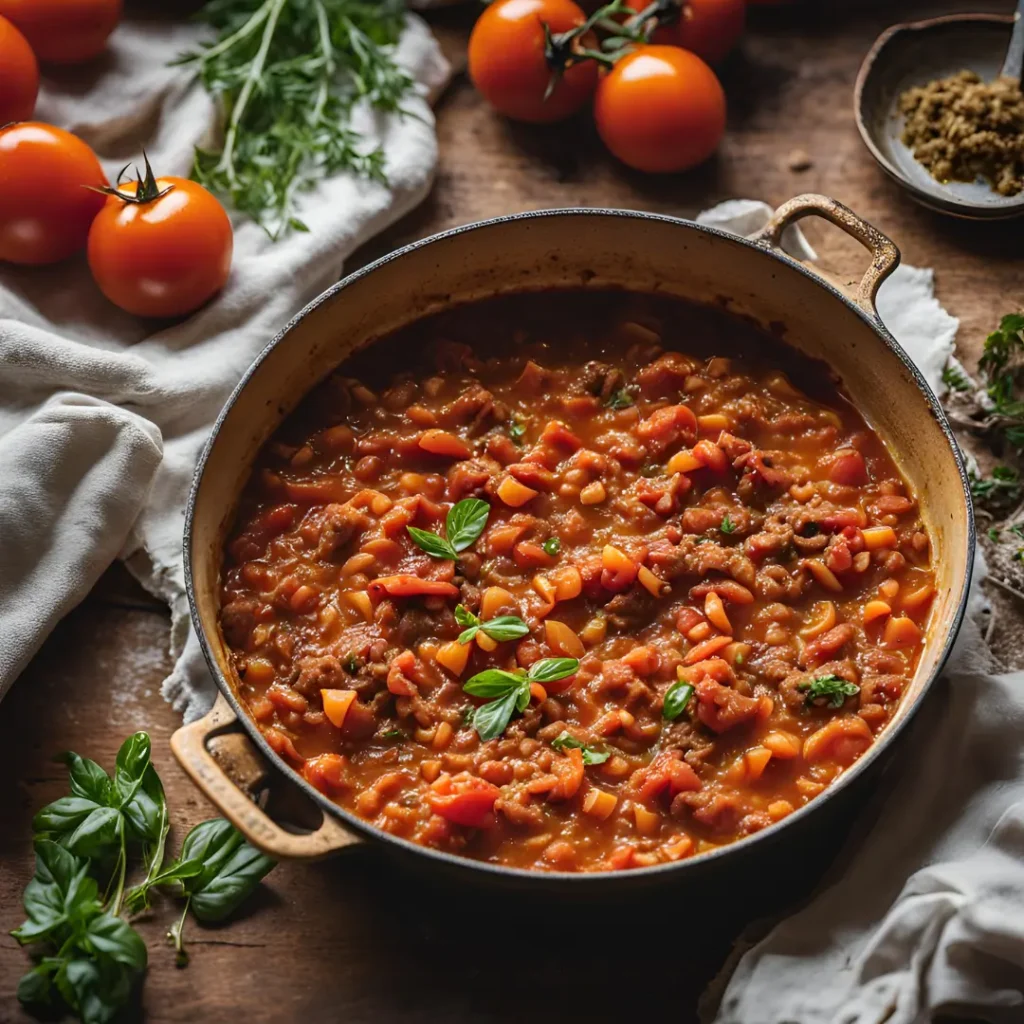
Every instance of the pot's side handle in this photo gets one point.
(885, 257)
(189, 745)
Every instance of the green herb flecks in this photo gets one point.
(620, 399)
(727, 525)
(288, 74)
(500, 628)
(510, 692)
(828, 691)
(465, 522)
(565, 741)
(677, 699)
(1001, 488)
(552, 546)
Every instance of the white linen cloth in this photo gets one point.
(924, 912)
(101, 416)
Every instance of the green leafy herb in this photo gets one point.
(393, 734)
(565, 740)
(288, 74)
(351, 663)
(727, 525)
(500, 628)
(677, 697)
(91, 957)
(510, 692)
(1002, 488)
(621, 399)
(466, 521)
(516, 430)
(829, 690)
(955, 379)
(552, 546)
(1002, 365)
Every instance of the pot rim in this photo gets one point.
(554, 878)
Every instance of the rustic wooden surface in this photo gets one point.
(356, 939)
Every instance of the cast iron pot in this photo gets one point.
(582, 249)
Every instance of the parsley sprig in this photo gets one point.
(510, 692)
(828, 691)
(465, 522)
(288, 74)
(90, 956)
(501, 627)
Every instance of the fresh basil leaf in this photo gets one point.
(146, 812)
(97, 988)
(831, 690)
(60, 819)
(677, 697)
(565, 740)
(523, 695)
(550, 670)
(493, 682)
(117, 939)
(464, 617)
(466, 521)
(98, 835)
(552, 546)
(132, 762)
(490, 720)
(467, 634)
(435, 546)
(61, 889)
(87, 778)
(36, 987)
(504, 627)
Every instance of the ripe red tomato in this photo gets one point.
(64, 31)
(19, 75)
(45, 210)
(509, 66)
(161, 256)
(709, 28)
(660, 109)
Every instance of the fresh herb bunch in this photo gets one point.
(91, 957)
(465, 522)
(288, 73)
(828, 691)
(591, 755)
(1002, 364)
(500, 628)
(510, 692)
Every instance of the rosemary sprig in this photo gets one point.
(288, 73)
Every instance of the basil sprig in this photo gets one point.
(565, 740)
(510, 692)
(677, 697)
(465, 522)
(91, 957)
(829, 691)
(501, 628)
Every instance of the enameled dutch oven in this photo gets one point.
(588, 249)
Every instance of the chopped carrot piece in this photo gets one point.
(715, 611)
(875, 610)
(879, 537)
(823, 574)
(562, 640)
(502, 539)
(683, 462)
(336, 704)
(918, 599)
(538, 693)
(901, 631)
(410, 586)
(713, 422)
(707, 649)
(360, 601)
(493, 599)
(678, 847)
(441, 442)
(593, 494)
(594, 631)
(756, 760)
(888, 589)
(486, 643)
(513, 493)
(699, 632)
(568, 583)
(259, 671)
(711, 455)
(545, 588)
(599, 803)
(779, 809)
(784, 745)
(841, 740)
(453, 656)
(653, 583)
(430, 770)
(644, 661)
(616, 561)
(647, 822)
(823, 620)
(737, 653)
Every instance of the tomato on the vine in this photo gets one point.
(160, 247)
(708, 28)
(46, 206)
(64, 31)
(524, 73)
(19, 75)
(660, 109)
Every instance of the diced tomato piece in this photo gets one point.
(666, 772)
(410, 586)
(711, 455)
(560, 436)
(846, 467)
(464, 799)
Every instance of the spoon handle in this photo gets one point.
(1014, 62)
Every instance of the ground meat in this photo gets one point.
(775, 536)
(238, 619)
(414, 625)
(338, 524)
(793, 689)
(828, 645)
(716, 810)
(630, 611)
(689, 740)
(691, 556)
(776, 583)
(469, 478)
(759, 474)
(474, 406)
(319, 673)
(602, 380)
(665, 377)
(721, 708)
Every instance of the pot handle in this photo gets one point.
(190, 747)
(885, 257)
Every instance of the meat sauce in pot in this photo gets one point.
(596, 581)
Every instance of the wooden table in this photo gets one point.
(353, 939)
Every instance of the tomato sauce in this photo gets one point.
(596, 581)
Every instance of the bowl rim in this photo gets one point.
(537, 878)
(951, 206)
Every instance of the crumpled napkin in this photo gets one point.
(102, 417)
(924, 913)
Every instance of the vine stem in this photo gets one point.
(122, 867)
(226, 163)
(251, 25)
